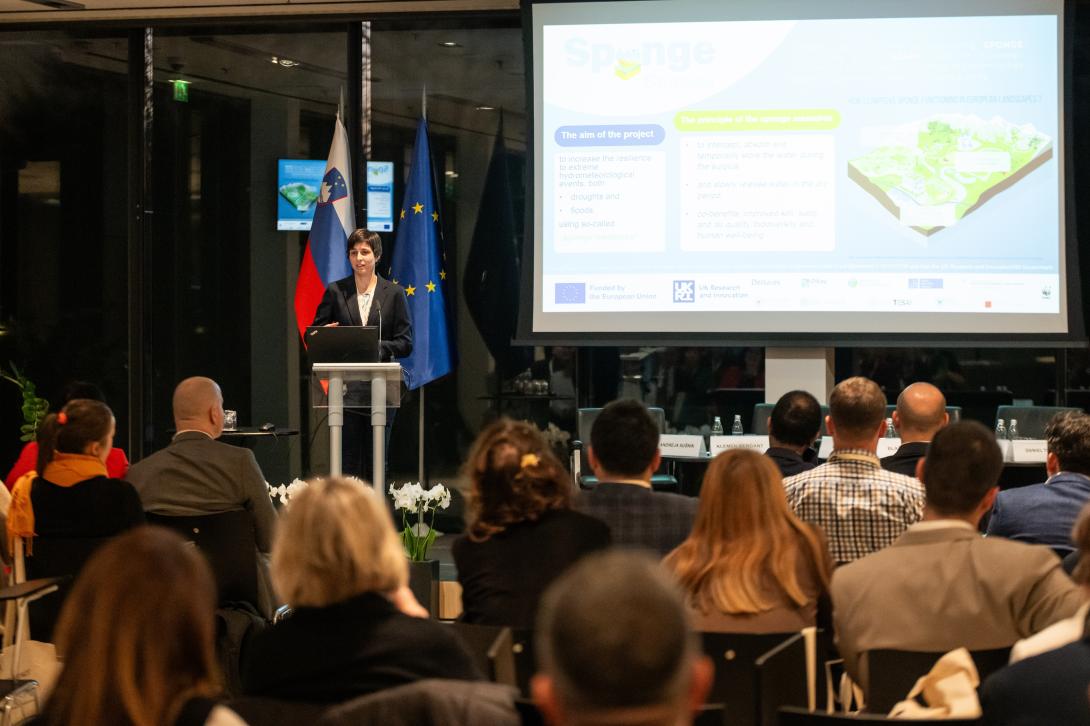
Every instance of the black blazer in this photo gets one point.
(903, 461)
(338, 305)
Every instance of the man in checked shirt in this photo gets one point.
(861, 506)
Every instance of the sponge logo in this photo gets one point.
(627, 61)
(626, 69)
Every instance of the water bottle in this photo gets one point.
(891, 433)
(717, 427)
(736, 427)
(1012, 430)
(1000, 430)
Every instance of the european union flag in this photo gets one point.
(418, 267)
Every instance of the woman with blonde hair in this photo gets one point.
(355, 627)
(522, 531)
(136, 637)
(750, 565)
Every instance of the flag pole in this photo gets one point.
(420, 417)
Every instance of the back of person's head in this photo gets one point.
(1068, 437)
(795, 419)
(921, 411)
(614, 645)
(71, 430)
(197, 403)
(857, 407)
(514, 476)
(334, 542)
(744, 536)
(963, 464)
(624, 438)
(136, 634)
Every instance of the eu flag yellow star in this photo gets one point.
(430, 286)
(442, 274)
(402, 214)
(418, 208)
(410, 290)
(435, 216)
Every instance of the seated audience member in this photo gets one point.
(1045, 513)
(73, 496)
(920, 413)
(614, 646)
(792, 429)
(624, 453)
(522, 530)
(1049, 689)
(198, 475)
(942, 585)
(1070, 629)
(356, 627)
(117, 464)
(750, 565)
(136, 637)
(860, 506)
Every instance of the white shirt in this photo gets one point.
(363, 299)
(1057, 635)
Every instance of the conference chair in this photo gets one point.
(583, 477)
(1031, 419)
(762, 411)
(979, 405)
(56, 557)
(892, 673)
(227, 541)
(750, 668)
(790, 716)
(16, 691)
(492, 648)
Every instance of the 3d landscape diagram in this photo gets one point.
(958, 163)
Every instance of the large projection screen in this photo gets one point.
(791, 169)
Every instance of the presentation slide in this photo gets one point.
(299, 181)
(777, 172)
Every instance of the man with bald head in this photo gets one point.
(198, 475)
(920, 414)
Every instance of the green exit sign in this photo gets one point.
(181, 90)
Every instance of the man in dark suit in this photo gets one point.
(1046, 513)
(792, 428)
(198, 475)
(920, 413)
(624, 453)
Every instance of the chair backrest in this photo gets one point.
(431, 702)
(492, 649)
(792, 716)
(1031, 419)
(979, 405)
(584, 422)
(954, 412)
(762, 411)
(892, 673)
(736, 684)
(227, 540)
(781, 678)
(56, 557)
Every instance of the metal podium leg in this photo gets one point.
(378, 434)
(336, 421)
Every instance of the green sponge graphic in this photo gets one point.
(626, 69)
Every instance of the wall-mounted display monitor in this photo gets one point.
(298, 183)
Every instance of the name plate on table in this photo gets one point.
(1028, 451)
(888, 447)
(719, 444)
(825, 449)
(681, 445)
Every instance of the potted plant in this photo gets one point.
(418, 507)
(34, 407)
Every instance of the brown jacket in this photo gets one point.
(942, 585)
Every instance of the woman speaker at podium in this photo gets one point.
(364, 296)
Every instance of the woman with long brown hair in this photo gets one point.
(750, 565)
(136, 636)
(522, 530)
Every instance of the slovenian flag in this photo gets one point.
(325, 259)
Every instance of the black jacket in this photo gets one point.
(388, 310)
(791, 463)
(903, 461)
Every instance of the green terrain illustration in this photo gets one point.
(299, 195)
(958, 160)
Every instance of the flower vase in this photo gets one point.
(424, 583)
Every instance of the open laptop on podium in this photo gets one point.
(342, 344)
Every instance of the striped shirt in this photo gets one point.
(861, 506)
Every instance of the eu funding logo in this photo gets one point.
(685, 291)
(570, 293)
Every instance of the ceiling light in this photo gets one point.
(450, 44)
(283, 62)
(485, 108)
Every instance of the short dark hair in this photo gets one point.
(367, 237)
(963, 463)
(624, 438)
(796, 419)
(1068, 437)
(613, 633)
(857, 405)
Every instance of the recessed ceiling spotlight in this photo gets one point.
(283, 62)
(485, 108)
(450, 44)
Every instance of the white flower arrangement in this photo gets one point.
(411, 498)
(285, 492)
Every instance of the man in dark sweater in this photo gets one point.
(624, 453)
(792, 428)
